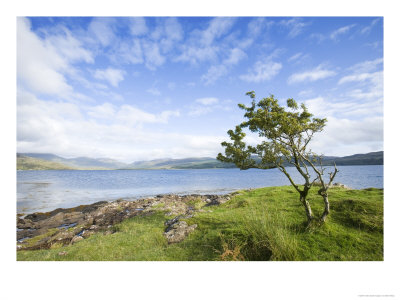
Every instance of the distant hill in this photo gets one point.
(31, 163)
(86, 163)
(372, 158)
(79, 162)
(184, 163)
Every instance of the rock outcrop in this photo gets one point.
(65, 226)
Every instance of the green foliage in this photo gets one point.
(261, 224)
(286, 134)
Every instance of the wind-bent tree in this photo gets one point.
(286, 135)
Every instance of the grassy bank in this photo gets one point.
(261, 224)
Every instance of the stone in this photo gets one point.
(69, 225)
(340, 185)
(86, 233)
(25, 224)
(171, 222)
(76, 238)
(178, 231)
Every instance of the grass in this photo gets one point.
(261, 224)
(30, 163)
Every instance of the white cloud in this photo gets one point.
(204, 106)
(262, 71)
(103, 111)
(207, 101)
(39, 66)
(217, 71)
(348, 107)
(295, 56)
(131, 115)
(345, 136)
(306, 93)
(138, 26)
(235, 56)
(352, 127)
(105, 130)
(166, 34)
(102, 30)
(195, 54)
(200, 110)
(341, 31)
(360, 77)
(315, 74)
(298, 58)
(256, 25)
(154, 91)
(217, 27)
(113, 76)
(202, 45)
(173, 29)
(214, 73)
(149, 47)
(153, 57)
(69, 47)
(130, 52)
(366, 80)
(367, 29)
(295, 26)
(367, 66)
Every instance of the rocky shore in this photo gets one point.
(67, 226)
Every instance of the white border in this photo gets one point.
(197, 280)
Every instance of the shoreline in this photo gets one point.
(24, 211)
(63, 226)
(252, 225)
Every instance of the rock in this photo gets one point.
(171, 222)
(76, 238)
(340, 185)
(25, 224)
(64, 236)
(178, 231)
(94, 227)
(69, 225)
(86, 233)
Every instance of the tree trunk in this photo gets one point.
(307, 208)
(326, 210)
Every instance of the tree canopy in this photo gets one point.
(285, 134)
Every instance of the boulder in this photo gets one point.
(76, 238)
(178, 231)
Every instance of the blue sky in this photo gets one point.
(145, 88)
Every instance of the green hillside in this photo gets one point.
(184, 163)
(30, 163)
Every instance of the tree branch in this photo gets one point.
(290, 178)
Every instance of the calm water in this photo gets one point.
(48, 190)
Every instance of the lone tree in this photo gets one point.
(286, 135)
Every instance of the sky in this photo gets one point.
(147, 88)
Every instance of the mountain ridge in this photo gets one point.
(87, 163)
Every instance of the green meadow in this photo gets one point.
(255, 225)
